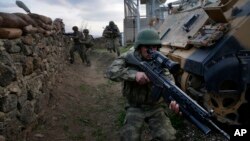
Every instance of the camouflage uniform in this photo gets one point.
(76, 36)
(140, 105)
(87, 42)
(112, 35)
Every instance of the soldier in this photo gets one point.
(137, 88)
(77, 36)
(87, 42)
(112, 35)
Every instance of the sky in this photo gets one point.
(91, 14)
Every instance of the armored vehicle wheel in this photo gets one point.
(228, 107)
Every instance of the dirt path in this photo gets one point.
(84, 105)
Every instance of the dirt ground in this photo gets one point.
(85, 106)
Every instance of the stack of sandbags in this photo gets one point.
(10, 26)
(13, 25)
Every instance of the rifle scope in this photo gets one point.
(164, 61)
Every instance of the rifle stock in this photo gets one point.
(191, 110)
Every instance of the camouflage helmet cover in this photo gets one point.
(147, 37)
(85, 31)
(75, 28)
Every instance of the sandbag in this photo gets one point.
(43, 25)
(30, 29)
(41, 30)
(44, 19)
(12, 21)
(10, 33)
(27, 19)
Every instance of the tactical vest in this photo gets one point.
(135, 93)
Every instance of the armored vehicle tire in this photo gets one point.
(228, 106)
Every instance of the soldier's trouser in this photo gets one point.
(85, 54)
(80, 51)
(159, 124)
(112, 45)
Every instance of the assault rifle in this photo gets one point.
(162, 86)
(69, 34)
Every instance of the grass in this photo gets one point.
(110, 83)
(83, 87)
(66, 128)
(83, 120)
(120, 118)
(99, 134)
(177, 121)
(122, 49)
(77, 137)
(125, 49)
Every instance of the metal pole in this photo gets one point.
(138, 17)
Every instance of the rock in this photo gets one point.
(34, 87)
(37, 63)
(27, 114)
(28, 66)
(8, 103)
(26, 50)
(12, 47)
(1, 91)
(14, 89)
(7, 75)
(5, 58)
(28, 40)
(2, 116)
(39, 135)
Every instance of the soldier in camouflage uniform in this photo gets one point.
(112, 35)
(87, 42)
(141, 108)
(76, 36)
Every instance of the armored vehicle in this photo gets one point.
(212, 44)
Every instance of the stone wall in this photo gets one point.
(29, 65)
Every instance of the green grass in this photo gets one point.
(176, 120)
(66, 128)
(99, 134)
(110, 82)
(77, 137)
(125, 49)
(120, 118)
(83, 87)
(83, 120)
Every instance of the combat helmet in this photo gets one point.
(147, 37)
(75, 28)
(111, 23)
(85, 31)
